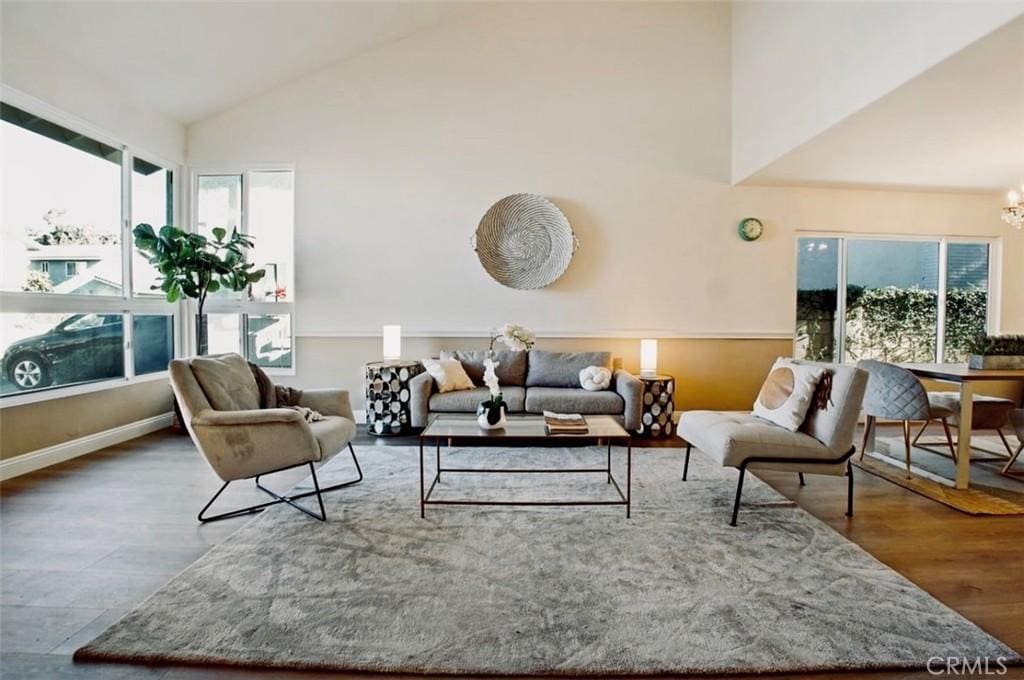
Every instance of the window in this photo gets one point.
(68, 316)
(904, 300)
(260, 203)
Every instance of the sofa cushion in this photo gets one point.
(227, 382)
(573, 400)
(511, 368)
(332, 434)
(732, 437)
(988, 413)
(466, 401)
(562, 369)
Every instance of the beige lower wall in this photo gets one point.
(31, 427)
(721, 374)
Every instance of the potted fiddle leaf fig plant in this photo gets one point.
(194, 266)
(996, 351)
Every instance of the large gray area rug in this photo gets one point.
(473, 590)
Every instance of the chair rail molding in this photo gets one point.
(555, 333)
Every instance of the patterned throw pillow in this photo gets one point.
(449, 374)
(787, 393)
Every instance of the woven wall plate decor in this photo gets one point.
(524, 241)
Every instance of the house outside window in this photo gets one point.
(75, 314)
(260, 201)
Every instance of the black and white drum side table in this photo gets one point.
(387, 396)
(658, 405)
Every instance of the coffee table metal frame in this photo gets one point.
(604, 436)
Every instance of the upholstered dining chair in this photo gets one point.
(1017, 421)
(219, 400)
(822, 445)
(894, 393)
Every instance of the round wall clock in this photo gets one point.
(751, 229)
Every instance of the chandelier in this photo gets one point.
(1013, 214)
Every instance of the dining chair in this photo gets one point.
(894, 393)
(1017, 421)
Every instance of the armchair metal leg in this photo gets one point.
(686, 463)
(739, 493)
(290, 500)
(802, 482)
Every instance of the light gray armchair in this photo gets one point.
(822, 445)
(894, 393)
(220, 407)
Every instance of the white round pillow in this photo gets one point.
(595, 378)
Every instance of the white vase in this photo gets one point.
(485, 422)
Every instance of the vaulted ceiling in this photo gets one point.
(958, 125)
(190, 60)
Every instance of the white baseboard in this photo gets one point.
(58, 453)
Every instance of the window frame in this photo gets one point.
(126, 304)
(992, 311)
(243, 307)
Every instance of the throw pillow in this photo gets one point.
(787, 393)
(511, 365)
(595, 378)
(448, 374)
(227, 382)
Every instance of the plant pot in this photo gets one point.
(202, 334)
(995, 361)
(491, 417)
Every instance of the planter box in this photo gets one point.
(995, 361)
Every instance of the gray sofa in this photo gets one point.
(532, 382)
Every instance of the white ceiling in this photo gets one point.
(959, 125)
(194, 59)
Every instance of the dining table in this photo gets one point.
(966, 378)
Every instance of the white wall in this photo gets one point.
(619, 113)
(33, 68)
(801, 67)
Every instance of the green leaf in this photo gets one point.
(219, 233)
(212, 286)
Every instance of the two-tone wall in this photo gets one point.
(619, 113)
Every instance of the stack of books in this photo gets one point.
(564, 423)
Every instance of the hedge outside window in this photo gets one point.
(914, 300)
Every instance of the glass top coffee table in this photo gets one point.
(522, 431)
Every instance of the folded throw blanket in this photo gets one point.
(278, 396)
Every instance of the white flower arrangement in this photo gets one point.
(516, 338)
(491, 378)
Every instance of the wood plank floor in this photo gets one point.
(83, 542)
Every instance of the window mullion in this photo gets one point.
(841, 305)
(940, 319)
